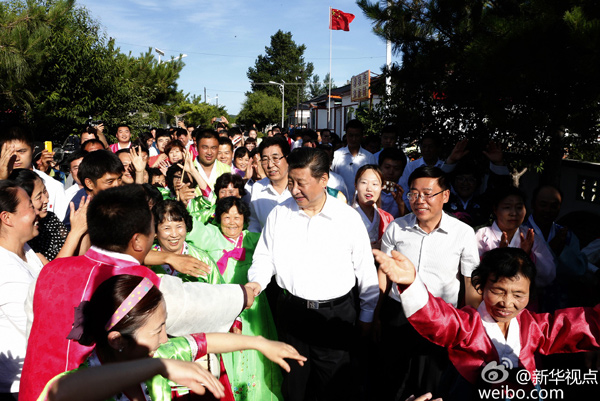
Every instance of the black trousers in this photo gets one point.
(410, 364)
(325, 336)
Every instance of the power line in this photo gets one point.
(251, 57)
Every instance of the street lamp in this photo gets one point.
(282, 89)
(160, 53)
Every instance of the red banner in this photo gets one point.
(339, 20)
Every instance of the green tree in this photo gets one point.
(283, 61)
(58, 68)
(519, 71)
(317, 88)
(261, 109)
(195, 113)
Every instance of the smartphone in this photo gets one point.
(219, 119)
(48, 146)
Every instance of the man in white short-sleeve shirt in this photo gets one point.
(442, 248)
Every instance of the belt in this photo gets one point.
(315, 304)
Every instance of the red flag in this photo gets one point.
(339, 20)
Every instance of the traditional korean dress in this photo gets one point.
(252, 375)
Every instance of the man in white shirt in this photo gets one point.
(442, 248)
(347, 160)
(273, 189)
(317, 248)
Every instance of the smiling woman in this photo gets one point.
(20, 267)
(250, 374)
(173, 222)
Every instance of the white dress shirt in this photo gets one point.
(347, 165)
(337, 182)
(263, 199)
(17, 275)
(438, 256)
(317, 258)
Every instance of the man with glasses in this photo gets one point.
(441, 247)
(271, 190)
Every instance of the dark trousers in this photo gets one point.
(410, 364)
(325, 336)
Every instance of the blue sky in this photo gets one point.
(223, 38)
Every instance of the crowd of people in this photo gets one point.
(295, 265)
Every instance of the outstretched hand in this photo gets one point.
(189, 265)
(397, 268)
(193, 376)
(277, 352)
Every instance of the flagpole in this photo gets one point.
(329, 97)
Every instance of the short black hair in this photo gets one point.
(537, 190)
(228, 178)
(90, 141)
(315, 159)
(174, 211)
(504, 192)
(392, 154)
(95, 164)
(153, 195)
(24, 178)
(225, 204)
(503, 262)
(16, 133)
(200, 134)
(433, 136)
(116, 214)
(78, 154)
(8, 196)
(162, 132)
(278, 140)
(223, 140)
(355, 124)
(241, 152)
(429, 172)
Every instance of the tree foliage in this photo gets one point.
(520, 71)
(283, 61)
(317, 88)
(195, 113)
(261, 109)
(57, 68)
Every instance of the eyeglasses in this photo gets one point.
(274, 159)
(413, 196)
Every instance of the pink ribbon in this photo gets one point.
(238, 253)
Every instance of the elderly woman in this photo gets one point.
(173, 222)
(20, 267)
(232, 247)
